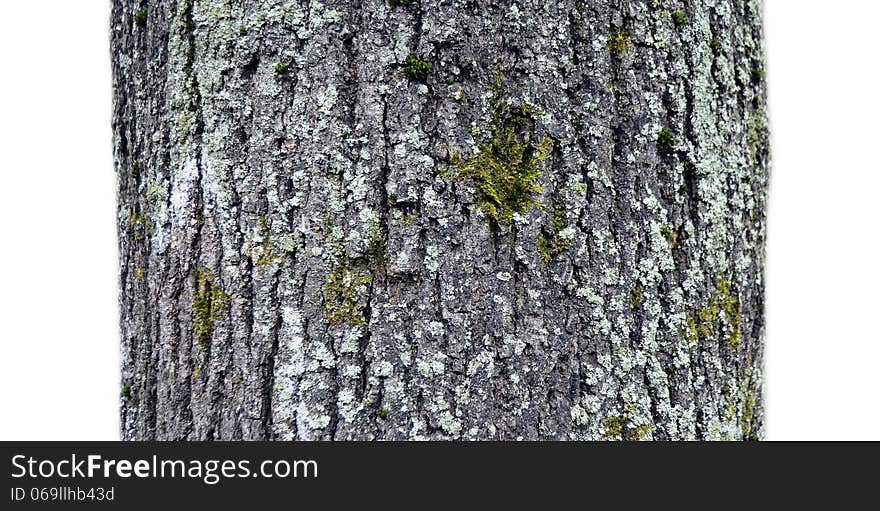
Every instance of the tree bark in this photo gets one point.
(440, 219)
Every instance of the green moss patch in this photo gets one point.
(141, 228)
(637, 296)
(618, 42)
(666, 140)
(346, 293)
(505, 167)
(680, 18)
(723, 308)
(622, 427)
(207, 305)
(416, 68)
(140, 18)
(669, 233)
(553, 243)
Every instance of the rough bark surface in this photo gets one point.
(319, 237)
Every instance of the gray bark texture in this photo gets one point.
(440, 219)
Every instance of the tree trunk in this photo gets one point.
(394, 219)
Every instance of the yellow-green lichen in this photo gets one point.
(639, 432)
(723, 306)
(207, 305)
(126, 391)
(140, 226)
(748, 417)
(140, 18)
(264, 254)
(730, 412)
(614, 427)
(669, 233)
(760, 74)
(346, 293)
(618, 42)
(376, 246)
(679, 17)
(623, 427)
(637, 296)
(505, 166)
(459, 94)
(267, 255)
(155, 190)
(757, 132)
(409, 220)
(666, 140)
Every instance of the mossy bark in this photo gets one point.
(358, 288)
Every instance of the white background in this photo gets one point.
(58, 260)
